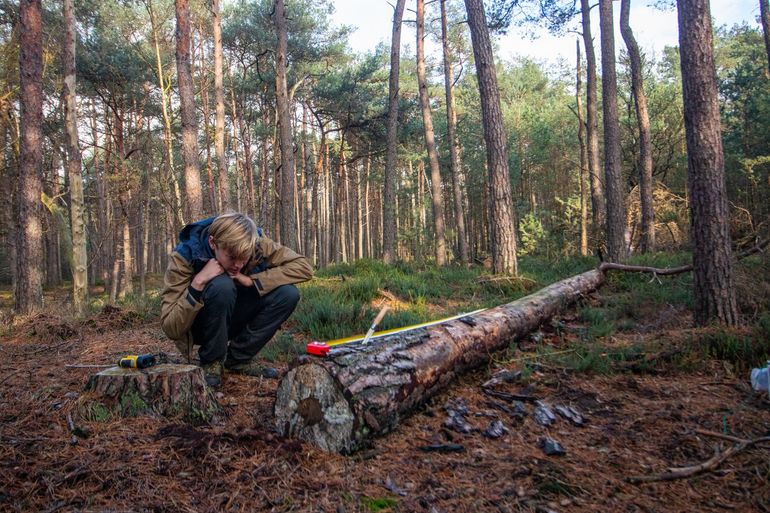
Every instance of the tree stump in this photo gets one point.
(357, 392)
(166, 389)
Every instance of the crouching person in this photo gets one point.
(228, 289)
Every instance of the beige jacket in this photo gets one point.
(179, 308)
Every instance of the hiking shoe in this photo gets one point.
(251, 368)
(212, 373)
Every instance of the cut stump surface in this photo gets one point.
(166, 389)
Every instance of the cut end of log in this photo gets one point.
(310, 405)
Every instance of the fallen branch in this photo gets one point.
(708, 465)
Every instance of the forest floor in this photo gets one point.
(644, 413)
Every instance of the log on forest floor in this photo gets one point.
(358, 392)
(169, 390)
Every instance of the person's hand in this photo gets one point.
(211, 270)
(243, 280)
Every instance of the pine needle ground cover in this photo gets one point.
(652, 392)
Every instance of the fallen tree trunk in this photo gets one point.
(358, 392)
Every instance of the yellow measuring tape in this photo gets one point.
(378, 334)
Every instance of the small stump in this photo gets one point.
(168, 390)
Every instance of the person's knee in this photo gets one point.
(220, 291)
(286, 296)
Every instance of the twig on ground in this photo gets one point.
(708, 465)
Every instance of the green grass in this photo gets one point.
(378, 504)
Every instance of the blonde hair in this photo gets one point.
(235, 233)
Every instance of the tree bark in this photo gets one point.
(389, 189)
(643, 120)
(712, 259)
(430, 141)
(613, 175)
(192, 179)
(598, 203)
(582, 175)
(224, 196)
(764, 14)
(74, 168)
(502, 220)
(170, 390)
(452, 140)
(175, 201)
(358, 392)
(29, 250)
(288, 235)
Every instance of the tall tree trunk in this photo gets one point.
(74, 167)
(613, 176)
(502, 221)
(452, 140)
(29, 252)
(171, 181)
(430, 142)
(225, 200)
(288, 222)
(583, 157)
(212, 195)
(764, 13)
(388, 201)
(192, 179)
(712, 257)
(598, 203)
(643, 120)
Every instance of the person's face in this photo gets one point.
(229, 263)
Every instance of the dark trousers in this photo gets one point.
(241, 316)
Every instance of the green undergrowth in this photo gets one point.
(343, 299)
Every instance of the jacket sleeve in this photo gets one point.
(284, 266)
(178, 307)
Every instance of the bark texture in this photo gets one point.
(389, 191)
(358, 392)
(288, 179)
(29, 249)
(712, 257)
(583, 155)
(616, 219)
(170, 390)
(764, 14)
(598, 203)
(502, 225)
(452, 141)
(74, 167)
(643, 121)
(430, 140)
(223, 191)
(192, 178)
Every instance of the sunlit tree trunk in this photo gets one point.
(74, 167)
(643, 120)
(452, 141)
(388, 201)
(29, 249)
(616, 251)
(712, 257)
(219, 97)
(598, 202)
(430, 142)
(503, 226)
(287, 219)
(583, 157)
(192, 180)
(175, 201)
